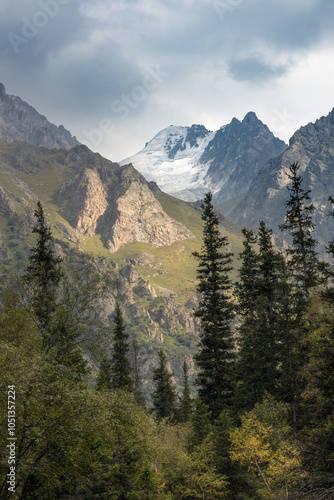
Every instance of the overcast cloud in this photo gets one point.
(115, 72)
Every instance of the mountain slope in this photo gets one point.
(105, 209)
(94, 196)
(186, 162)
(312, 146)
(21, 122)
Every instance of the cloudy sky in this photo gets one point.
(116, 72)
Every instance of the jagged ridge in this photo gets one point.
(312, 146)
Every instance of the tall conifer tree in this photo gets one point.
(48, 297)
(298, 222)
(43, 273)
(120, 365)
(263, 294)
(247, 292)
(215, 312)
(305, 269)
(164, 396)
(185, 403)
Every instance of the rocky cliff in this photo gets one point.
(116, 202)
(21, 122)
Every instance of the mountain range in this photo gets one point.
(121, 214)
(187, 162)
(246, 168)
(111, 211)
(312, 147)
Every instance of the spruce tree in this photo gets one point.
(215, 311)
(185, 402)
(49, 298)
(43, 276)
(275, 314)
(263, 304)
(138, 393)
(104, 376)
(247, 288)
(120, 365)
(298, 222)
(247, 293)
(164, 396)
(305, 269)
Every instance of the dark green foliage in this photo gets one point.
(55, 306)
(221, 438)
(247, 287)
(138, 393)
(104, 377)
(120, 365)
(305, 268)
(215, 312)
(201, 424)
(299, 223)
(43, 275)
(164, 396)
(247, 292)
(263, 293)
(185, 409)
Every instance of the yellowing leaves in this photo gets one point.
(258, 446)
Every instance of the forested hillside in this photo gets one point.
(257, 424)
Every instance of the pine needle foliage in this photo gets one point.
(215, 312)
(120, 364)
(186, 402)
(299, 223)
(164, 396)
(44, 273)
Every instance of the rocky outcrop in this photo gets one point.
(117, 203)
(159, 317)
(85, 202)
(138, 216)
(312, 147)
(21, 122)
(6, 203)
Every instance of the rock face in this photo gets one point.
(21, 122)
(186, 162)
(5, 202)
(138, 216)
(116, 202)
(160, 318)
(312, 147)
(236, 155)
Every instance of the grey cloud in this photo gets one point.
(254, 70)
(78, 64)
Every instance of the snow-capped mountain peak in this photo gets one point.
(186, 162)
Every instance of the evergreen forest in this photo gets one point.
(261, 425)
